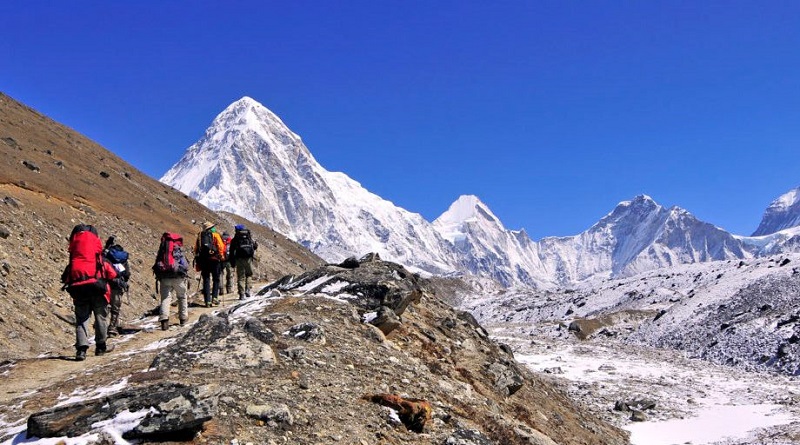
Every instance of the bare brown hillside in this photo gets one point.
(52, 178)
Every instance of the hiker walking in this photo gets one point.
(118, 258)
(86, 278)
(171, 270)
(227, 266)
(209, 251)
(243, 248)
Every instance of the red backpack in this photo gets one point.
(170, 261)
(85, 259)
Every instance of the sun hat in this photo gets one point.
(207, 225)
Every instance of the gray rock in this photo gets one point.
(310, 332)
(467, 437)
(176, 411)
(386, 320)
(638, 416)
(213, 343)
(257, 329)
(276, 416)
(507, 378)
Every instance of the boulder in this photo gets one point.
(166, 410)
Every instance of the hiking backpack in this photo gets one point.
(246, 247)
(170, 261)
(85, 267)
(207, 249)
(118, 258)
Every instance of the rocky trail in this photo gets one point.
(55, 376)
(362, 354)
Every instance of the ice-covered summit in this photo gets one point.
(781, 214)
(250, 163)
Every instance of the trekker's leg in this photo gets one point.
(248, 272)
(216, 271)
(83, 310)
(180, 294)
(241, 277)
(205, 273)
(114, 308)
(228, 277)
(100, 309)
(165, 285)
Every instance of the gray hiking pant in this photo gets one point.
(115, 307)
(227, 267)
(244, 270)
(168, 287)
(85, 305)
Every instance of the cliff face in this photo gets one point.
(360, 353)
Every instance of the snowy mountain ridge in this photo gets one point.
(783, 213)
(249, 163)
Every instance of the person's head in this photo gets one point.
(110, 241)
(225, 235)
(239, 227)
(208, 226)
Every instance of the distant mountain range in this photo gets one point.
(249, 163)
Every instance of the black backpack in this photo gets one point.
(206, 245)
(246, 247)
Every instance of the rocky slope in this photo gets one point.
(360, 353)
(52, 178)
(744, 313)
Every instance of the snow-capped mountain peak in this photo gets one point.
(465, 209)
(781, 214)
(249, 163)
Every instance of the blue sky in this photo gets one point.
(551, 112)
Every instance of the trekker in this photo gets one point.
(86, 278)
(118, 258)
(226, 265)
(171, 270)
(209, 251)
(243, 248)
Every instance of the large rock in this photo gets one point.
(215, 344)
(165, 410)
(372, 287)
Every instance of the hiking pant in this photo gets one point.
(85, 305)
(244, 270)
(169, 286)
(211, 271)
(115, 307)
(228, 267)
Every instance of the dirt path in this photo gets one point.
(51, 376)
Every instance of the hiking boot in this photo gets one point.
(112, 332)
(103, 348)
(241, 296)
(183, 321)
(247, 294)
(164, 325)
(208, 304)
(80, 355)
(215, 302)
